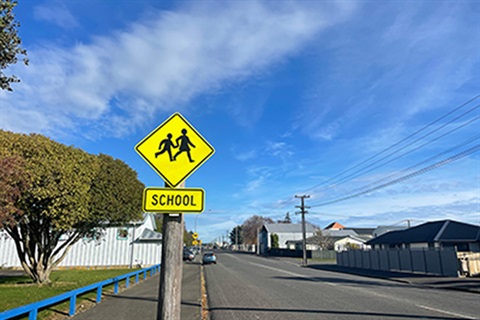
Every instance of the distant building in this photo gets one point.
(435, 234)
(134, 243)
(285, 232)
(334, 226)
(341, 243)
(384, 229)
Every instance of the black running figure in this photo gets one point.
(166, 145)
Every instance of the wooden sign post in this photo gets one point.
(174, 150)
(170, 289)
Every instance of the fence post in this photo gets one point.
(425, 260)
(33, 314)
(411, 259)
(115, 287)
(441, 260)
(99, 294)
(73, 302)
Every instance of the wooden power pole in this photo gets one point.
(304, 237)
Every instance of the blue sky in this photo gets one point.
(290, 94)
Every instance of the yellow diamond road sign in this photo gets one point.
(174, 149)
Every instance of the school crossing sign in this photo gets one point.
(174, 149)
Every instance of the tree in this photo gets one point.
(274, 240)
(286, 219)
(325, 242)
(60, 191)
(236, 236)
(9, 42)
(251, 227)
(187, 237)
(115, 193)
(14, 181)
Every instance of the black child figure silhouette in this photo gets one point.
(166, 144)
(184, 142)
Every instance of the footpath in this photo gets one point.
(140, 301)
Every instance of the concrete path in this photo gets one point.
(140, 301)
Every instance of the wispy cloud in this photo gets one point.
(56, 13)
(113, 84)
(244, 156)
(383, 72)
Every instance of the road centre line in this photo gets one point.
(288, 272)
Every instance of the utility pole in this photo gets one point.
(303, 211)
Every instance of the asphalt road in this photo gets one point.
(244, 286)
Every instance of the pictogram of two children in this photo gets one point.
(183, 144)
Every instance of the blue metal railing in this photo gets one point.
(32, 308)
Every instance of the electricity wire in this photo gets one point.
(363, 170)
(436, 165)
(403, 140)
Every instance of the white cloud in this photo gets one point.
(123, 78)
(56, 13)
(244, 156)
(390, 68)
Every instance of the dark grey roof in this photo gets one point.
(339, 233)
(150, 235)
(431, 232)
(384, 229)
(362, 231)
(288, 227)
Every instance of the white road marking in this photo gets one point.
(446, 312)
(288, 272)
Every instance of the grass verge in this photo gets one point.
(18, 290)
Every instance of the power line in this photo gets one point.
(453, 149)
(403, 140)
(436, 165)
(361, 172)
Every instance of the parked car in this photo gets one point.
(209, 257)
(188, 255)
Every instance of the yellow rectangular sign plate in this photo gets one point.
(167, 200)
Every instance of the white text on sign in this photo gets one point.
(165, 200)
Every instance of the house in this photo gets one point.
(132, 244)
(285, 232)
(435, 234)
(349, 242)
(337, 243)
(334, 226)
(336, 237)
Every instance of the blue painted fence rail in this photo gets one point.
(33, 308)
